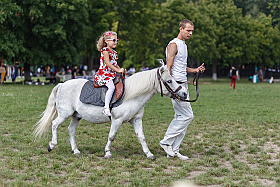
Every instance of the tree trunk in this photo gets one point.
(214, 68)
(27, 76)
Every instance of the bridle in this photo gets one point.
(173, 93)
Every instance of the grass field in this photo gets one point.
(234, 140)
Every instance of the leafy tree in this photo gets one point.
(267, 39)
(60, 32)
(229, 38)
(252, 7)
(52, 32)
(170, 15)
(102, 16)
(242, 39)
(222, 36)
(274, 9)
(11, 42)
(136, 29)
(217, 39)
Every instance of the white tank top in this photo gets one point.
(179, 68)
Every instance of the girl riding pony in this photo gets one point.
(108, 66)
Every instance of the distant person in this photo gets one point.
(261, 75)
(131, 70)
(75, 72)
(108, 66)
(234, 74)
(62, 71)
(143, 68)
(38, 71)
(3, 74)
(271, 80)
(15, 71)
(83, 70)
(52, 78)
(85, 67)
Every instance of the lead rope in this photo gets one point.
(196, 78)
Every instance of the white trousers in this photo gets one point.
(109, 93)
(178, 127)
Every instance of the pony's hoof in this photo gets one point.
(108, 156)
(152, 157)
(49, 148)
(77, 153)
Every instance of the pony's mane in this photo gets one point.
(139, 83)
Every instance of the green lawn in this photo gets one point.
(234, 140)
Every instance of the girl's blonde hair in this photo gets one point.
(101, 41)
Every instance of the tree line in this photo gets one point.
(226, 32)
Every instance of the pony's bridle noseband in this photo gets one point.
(173, 93)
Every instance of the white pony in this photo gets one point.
(64, 103)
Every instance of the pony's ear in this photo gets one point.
(163, 69)
(160, 61)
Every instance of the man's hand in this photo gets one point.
(201, 68)
(196, 70)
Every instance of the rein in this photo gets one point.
(196, 78)
(173, 93)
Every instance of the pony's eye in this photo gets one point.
(169, 81)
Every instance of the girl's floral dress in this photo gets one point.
(105, 74)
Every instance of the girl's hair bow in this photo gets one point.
(107, 34)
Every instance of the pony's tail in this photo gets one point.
(44, 124)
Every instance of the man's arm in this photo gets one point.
(170, 55)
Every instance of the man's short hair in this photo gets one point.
(184, 22)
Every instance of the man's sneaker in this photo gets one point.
(181, 157)
(106, 111)
(167, 149)
(168, 156)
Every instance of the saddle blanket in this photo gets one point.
(96, 96)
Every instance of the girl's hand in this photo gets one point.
(121, 70)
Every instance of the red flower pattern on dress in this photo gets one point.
(105, 74)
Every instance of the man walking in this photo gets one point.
(176, 59)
